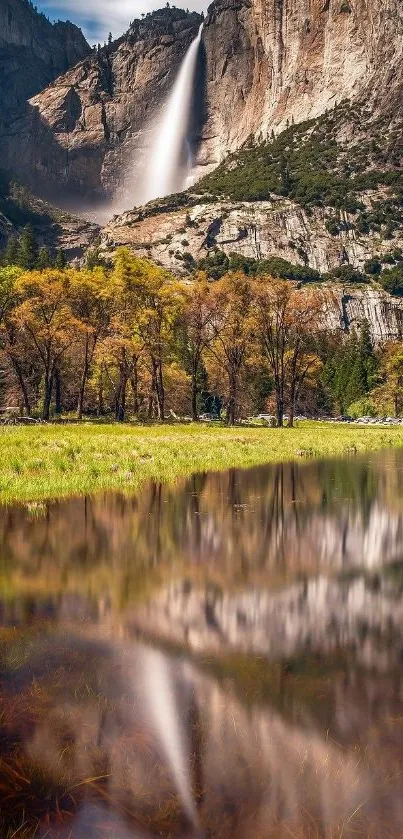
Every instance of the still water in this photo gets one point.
(218, 658)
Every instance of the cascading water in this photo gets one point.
(169, 160)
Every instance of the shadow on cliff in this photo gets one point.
(64, 167)
(198, 111)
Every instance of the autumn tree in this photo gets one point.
(231, 333)
(150, 303)
(286, 321)
(9, 333)
(8, 276)
(46, 322)
(197, 318)
(388, 396)
(91, 296)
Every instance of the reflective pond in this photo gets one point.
(221, 657)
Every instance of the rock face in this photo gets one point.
(33, 52)
(52, 227)
(91, 119)
(352, 306)
(271, 62)
(260, 229)
(263, 63)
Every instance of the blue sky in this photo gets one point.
(99, 17)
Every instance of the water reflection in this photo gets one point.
(221, 658)
(319, 754)
(267, 526)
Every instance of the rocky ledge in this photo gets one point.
(169, 230)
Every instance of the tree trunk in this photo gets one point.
(232, 402)
(291, 412)
(100, 398)
(83, 382)
(47, 397)
(58, 392)
(195, 413)
(24, 391)
(195, 391)
(135, 388)
(293, 390)
(279, 403)
(153, 390)
(157, 387)
(150, 408)
(120, 402)
(122, 405)
(160, 392)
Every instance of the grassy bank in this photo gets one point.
(53, 461)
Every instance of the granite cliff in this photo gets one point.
(263, 64)
(33, 52)
(273, 62)
(89, 121)
(171, 234)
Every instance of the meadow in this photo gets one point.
(54, 461)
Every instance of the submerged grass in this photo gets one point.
(55, 461)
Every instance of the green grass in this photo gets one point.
(54, 461)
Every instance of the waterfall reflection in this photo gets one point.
(314, 756)
(281, 586)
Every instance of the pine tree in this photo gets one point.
(60, 261)
(44, 259)
(357, 369)
(368, 356)
(11, 252)
(27, 249)
(357, 382)
(284, 175)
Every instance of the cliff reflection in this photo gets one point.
(320, 753)
(266, 526)
(282, 714)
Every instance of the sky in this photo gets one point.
(99, 17)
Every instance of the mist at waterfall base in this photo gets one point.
(168, 159)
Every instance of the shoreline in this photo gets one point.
(51, 462)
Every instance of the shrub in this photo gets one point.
(391, 280)
(372, 266)
(348, 274)
(362, 408)
(307, 164)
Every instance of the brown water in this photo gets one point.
(221, 657)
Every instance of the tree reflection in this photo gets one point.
(264, 526)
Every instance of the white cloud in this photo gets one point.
(99, 17)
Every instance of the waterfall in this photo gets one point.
(169, 160)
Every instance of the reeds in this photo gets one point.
(55, 461)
